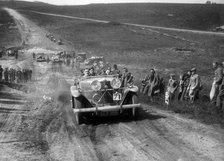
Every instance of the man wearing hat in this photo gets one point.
(102, 69)
(217, 81)
(151, 84)
(1, 73)
(116, 71)
(86, 72)
(171, 89)
(127, 77)
(183, 84)
(194, 86)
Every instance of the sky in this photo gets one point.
(83, 2)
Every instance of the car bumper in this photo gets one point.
(106, 108)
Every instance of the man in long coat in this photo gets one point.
(127, 77)
(194, 86)
(152, 82)
(217, 81)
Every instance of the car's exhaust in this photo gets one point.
(107, 108)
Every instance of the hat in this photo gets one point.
(193, 69)
(172, 74)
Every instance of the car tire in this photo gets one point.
(78, 116)
(134, 100)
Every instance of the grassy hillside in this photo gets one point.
(135, 46)
(188, 16)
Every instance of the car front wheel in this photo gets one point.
(76, 104)
(134, 100)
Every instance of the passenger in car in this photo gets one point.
(116, 71)
(92, 72)
(108, 71)
(86, 72)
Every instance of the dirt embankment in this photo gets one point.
(43, 126)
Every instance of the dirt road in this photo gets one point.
(43, 128)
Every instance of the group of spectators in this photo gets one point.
(187, 87)
(11, 75)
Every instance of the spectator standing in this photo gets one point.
(183, 84)
(150, 84)
(171, 89)
(6, 75)
(127, 77)
(194, 86)
(1, 73)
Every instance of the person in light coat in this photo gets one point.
(217, 81)
(171, 89)
(194, 86)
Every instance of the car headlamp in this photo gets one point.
(75, 91)
(115, 83)
(95, 85)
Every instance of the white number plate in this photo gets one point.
(117, 96)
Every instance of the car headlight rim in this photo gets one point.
(95, 85)
(115, 83)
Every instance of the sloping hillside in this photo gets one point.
(189, 16)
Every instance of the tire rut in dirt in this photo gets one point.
(94, 140)
(31, 131)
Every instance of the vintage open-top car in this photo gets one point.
(56, 59)
(103, 96)
(41, 57)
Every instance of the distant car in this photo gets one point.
(48, 35)
(103, 96)
(11, 52)
(219, 29)
(81, 57)
(60, 42)
(56, 59)
(41, 58)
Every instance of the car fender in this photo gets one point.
(80, 102)
(128, 92)
(132, 89)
